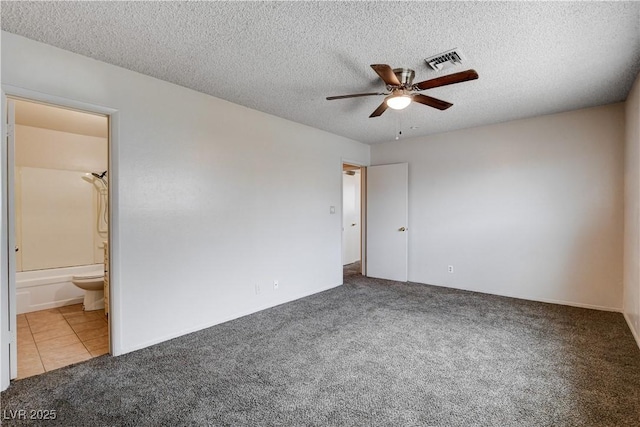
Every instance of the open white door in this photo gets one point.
(387, 221)
(350, 218)
(8, 346)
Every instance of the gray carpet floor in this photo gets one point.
(370, 353)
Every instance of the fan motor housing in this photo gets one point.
(405, 75)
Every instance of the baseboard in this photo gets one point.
(54, 304)
(571, 304)
(545, 300)
(223, 320)
(62, 303)
(636, 334)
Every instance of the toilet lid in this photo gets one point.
(92, 275)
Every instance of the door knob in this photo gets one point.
(17, 249)
(353, 224)
(402, 229)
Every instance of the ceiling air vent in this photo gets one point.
(445, 59)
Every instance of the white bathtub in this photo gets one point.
(42, 289)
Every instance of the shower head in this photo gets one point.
(93, 177)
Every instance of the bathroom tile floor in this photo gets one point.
(51, 339)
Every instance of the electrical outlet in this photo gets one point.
(450, 269)
(275, 285)
(257, 288)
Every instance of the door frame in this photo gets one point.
(8, 308)
(363, 212)
(8, 323)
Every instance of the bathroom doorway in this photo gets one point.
(61, 216)
(353, 219)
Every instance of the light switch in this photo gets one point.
(332, 210)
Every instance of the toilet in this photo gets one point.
(93, 285)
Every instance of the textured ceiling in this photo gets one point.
(284, 58)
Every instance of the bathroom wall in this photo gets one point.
(55, 208)
(55, 214)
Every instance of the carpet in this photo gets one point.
(369, 353)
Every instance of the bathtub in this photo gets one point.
(43, 289)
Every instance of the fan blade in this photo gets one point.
(329, 98)
(386, 74)
(381, 109)
(431, 102)
(462, 76)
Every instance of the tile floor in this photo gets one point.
(51, 339)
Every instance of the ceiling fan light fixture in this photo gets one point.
(398, 102)
(402, 91)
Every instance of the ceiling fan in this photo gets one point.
(401, 89)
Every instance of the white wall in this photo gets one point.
(212, 198)
(632, 212)
(530, 208)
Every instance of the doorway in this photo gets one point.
(59, 224)
(353, 224)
